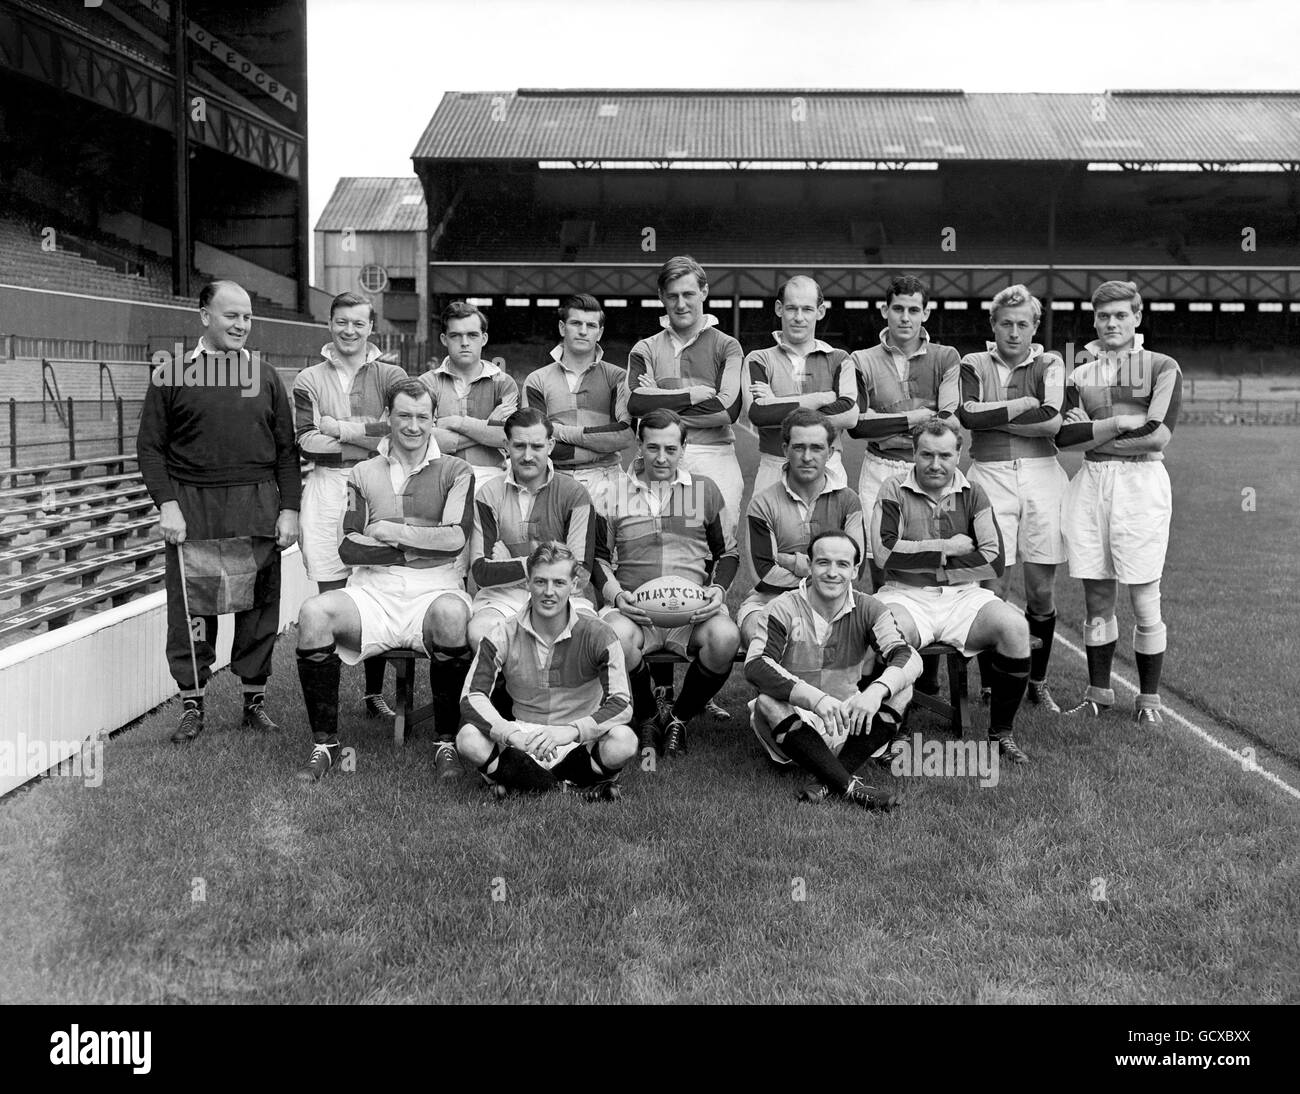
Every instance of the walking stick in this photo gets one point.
(189, 622)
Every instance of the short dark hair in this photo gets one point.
(411, 386)
(351, 300)
(581, 302)
(935, 427)
(836, 533)
(213, 287)
(525, 417)
(805, 416)
(680, 266)
(459, 309)
(906, 286)
(780, 293)
(1111, 292)
(660, 419)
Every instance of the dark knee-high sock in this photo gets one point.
(374, 669)
(519, 771)
(859, 747)
(805, 746)
(1042, 627)
(929, 680)
(985, 660)
(1149, 667)
(318, 672)
(1099, 662)
(448, 668)
(661, 672)
(1010, 677)
(701, 685)
(643, 695)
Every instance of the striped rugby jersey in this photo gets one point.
(796, 645)
(436, 506)
(823, 369)
(781, 525)
(491, 397)
(1140, 382)
(908, 524)
(679, 533)
(984, 395)
(597, 407)
(561, 511)
(318, 393)
(932, 379)
(655, 370)
(578, 680)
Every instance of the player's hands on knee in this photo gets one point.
(623, 602)
(860, 710)
(717, 603)
(171, 523)
(831, 711)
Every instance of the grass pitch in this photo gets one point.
(210, 875)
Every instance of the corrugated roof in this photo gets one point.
(1133, 126)
(375, 205)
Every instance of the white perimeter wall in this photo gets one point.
(96, 674)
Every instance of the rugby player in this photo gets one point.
(1121, 407)
(808, 661)
(932, 581)
(340, 421)
(471, 397)
(513, 513)
(692, 368)
(1011, 398)
(810, 497)
(799, 372)
(562, 671)
(584, 397)
(407, 524)
(665, 521)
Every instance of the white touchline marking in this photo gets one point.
(1208, 738)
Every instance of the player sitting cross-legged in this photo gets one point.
(563, 673)
(807, 661)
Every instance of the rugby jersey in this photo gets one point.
(435, 503)
(318, 393)
(1140, 382)
(591, 403)
(984, 411)
(931, 379)
(677, 534)
(490, 397)
(796, 645)
(577, 680)
(658, 366)
(908, 524)
(781, 525)
(560, 510)
(822, 369)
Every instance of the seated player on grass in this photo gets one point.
(664, 521)
(564, 676)
(808, 660)
(406, 527)
(935, 537)
(811, 496)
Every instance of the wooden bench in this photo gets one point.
(49, 491)
(408, 715)
(58, 612)
(75, 468)
(98, 516)
(28, 587)
(72, 544)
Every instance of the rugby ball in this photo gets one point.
(670, 601)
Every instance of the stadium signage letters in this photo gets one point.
(232, 59)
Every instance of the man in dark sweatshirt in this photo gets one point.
(217, 453)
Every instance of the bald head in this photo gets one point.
(799, 307)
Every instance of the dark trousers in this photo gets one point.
(255, 630)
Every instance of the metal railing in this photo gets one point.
(33, 439)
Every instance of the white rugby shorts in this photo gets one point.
(1115, 519)
(392, 601)
(1026, 496)
(718, 462)
(943, 613)
(320, 523)
(871, 478)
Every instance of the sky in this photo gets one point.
(377, 70)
